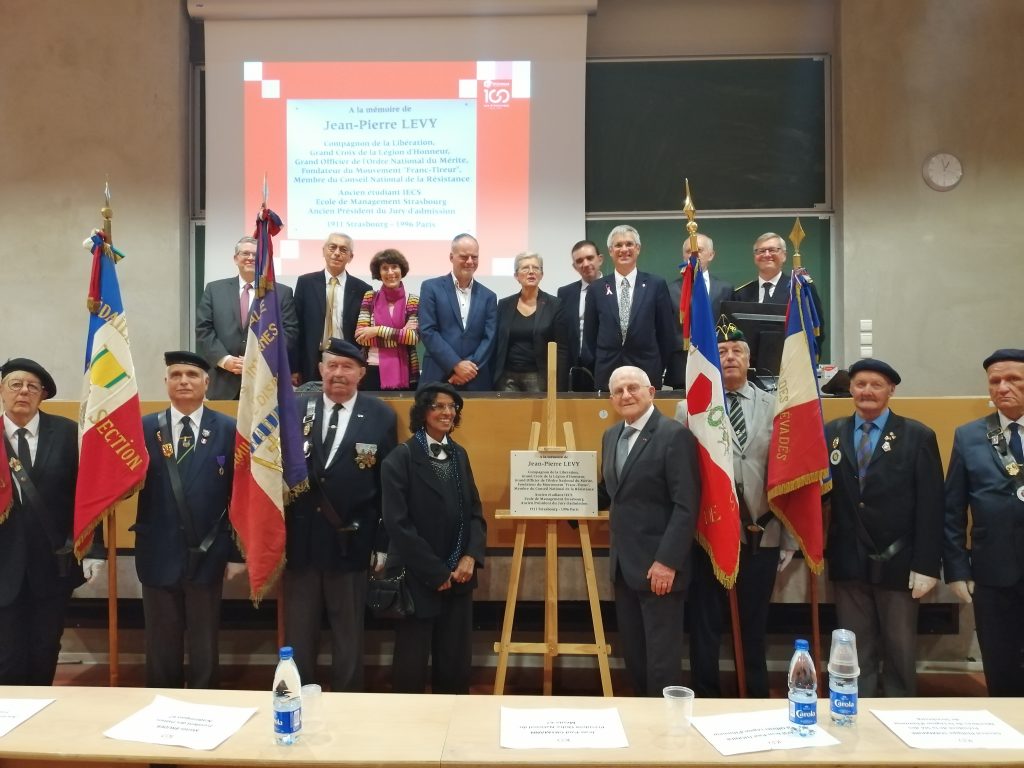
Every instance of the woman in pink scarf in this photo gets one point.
(388, 326)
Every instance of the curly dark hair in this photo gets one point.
(425, 398)
(388, 256)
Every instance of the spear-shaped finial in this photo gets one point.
(107, 212)
(796, 236)
(691, 225)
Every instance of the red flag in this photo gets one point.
(6, 484)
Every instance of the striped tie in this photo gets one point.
(864, 451)
(739, 424)
(624, 306)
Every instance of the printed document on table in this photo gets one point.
(950, 728)
(561, 729)
(181, 724)
(14, 712)
(735, 734)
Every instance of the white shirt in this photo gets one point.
(774, 282)
(1005, 423)
(344, 415)
(339, 301)
(463, 295)
(32, 436)
(444, 445)
(631, 279)
(196, 417)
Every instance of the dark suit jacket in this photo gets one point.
(749, 292)
(901, 499)
(543, 332)
(978, 479)
(675, 374)
(567, 334)
(654, 504)
(354, 493)
(311, 308)
(422, 527)
(650, 338)
(26, 551)
(161, 548)
(219, 332)
(447, 342)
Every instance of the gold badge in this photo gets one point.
(835, 443)
(366, 455)
(1013, 468)
(167, 449)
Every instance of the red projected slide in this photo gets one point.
(394, 154)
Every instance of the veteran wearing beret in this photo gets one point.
(986, 473)
(885, 533)
(183, 539)
(334, 530)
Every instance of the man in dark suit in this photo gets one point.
(331, 288)
(766, 547)
(986, 473)
(718, 291)
(335, 528)
(628, 318)
(37, 567)
(222, 327)
(182, 535)
(772, 284)
(885, 534)
(458, 322)
(573, 376)
(651, 484)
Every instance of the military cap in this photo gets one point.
(184, 357)
(342, 348)
(878, 366)
(1004, 355)
(31, 366)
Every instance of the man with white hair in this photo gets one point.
(651, 484)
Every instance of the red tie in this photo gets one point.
(243, 305)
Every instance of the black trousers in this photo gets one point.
(30, 632)
(446, 642)
(651, 633)
(709, 613)
(999, 616)
(185, 614)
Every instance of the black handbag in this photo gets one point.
(389, 597)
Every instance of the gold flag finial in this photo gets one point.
(266, 190)
(691, 225)
(796, 236)
(107, 212)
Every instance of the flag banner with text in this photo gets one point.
(718, 526)
(798, 472)
(113, 458)
(270, 469)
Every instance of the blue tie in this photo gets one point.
(1015, 445)
(864, 451)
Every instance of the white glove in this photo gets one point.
(785, 558)
(231, 570)
(963, 590)
(921, 585)
(92, 567)
(377, 561)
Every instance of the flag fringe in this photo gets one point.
(725, 579)
(291, 494)
(797, 483)
(85, 537)
(5, 513)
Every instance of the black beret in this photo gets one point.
(31, 366)
(342, 348)
(728, 331)
(184, 357)
(442, 388)
(1004, 355)
(878, 366)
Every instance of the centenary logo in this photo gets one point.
(497, 93)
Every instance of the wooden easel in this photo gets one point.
(551, 647)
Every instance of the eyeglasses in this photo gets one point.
(764, 251)
(622, 391)
(16, 385)
(344, 250)
(530, 268)
(445, 407)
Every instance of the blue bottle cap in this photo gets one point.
(800, 645)
(286, 652)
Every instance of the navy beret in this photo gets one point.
(1004, 355)
(31, 366)
(441, 388)
(342, 348)
(184, 357)
(878, 366)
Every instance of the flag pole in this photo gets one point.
(112, 628)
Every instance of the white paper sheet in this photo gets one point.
(735, 734)
(562, 729)
(181, 724)
(950, 728)
(14, 712)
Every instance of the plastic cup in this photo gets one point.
(312, 708)
(678, 707)
(842, 657)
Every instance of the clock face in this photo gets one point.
(943, 171)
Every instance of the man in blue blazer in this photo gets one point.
(986, 473)
(182, 535)
(458, 322)
(646, 336)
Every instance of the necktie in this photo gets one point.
(186, 441)
(1015, 444)
(622, 448)
(864, 450)
(435, 449)
(25, 455)
(332, 429)
(243, 305)
(739, 424)
(624, 304)
(767, 293)
(332, 294)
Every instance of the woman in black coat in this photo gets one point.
(433, 516)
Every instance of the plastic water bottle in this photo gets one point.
(287, 693)
(843, 670)
(803, 691)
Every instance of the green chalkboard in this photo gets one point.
(662, 242)
(748, 133)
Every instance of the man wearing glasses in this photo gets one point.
(327, 302)
(37, 567)
(772, 284)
